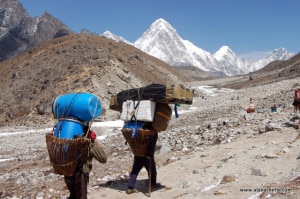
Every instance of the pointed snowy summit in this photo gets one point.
(162, 41)
(159, 33)
(161, 24)
(224, 52)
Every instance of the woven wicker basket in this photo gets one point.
(162, 117)
(113, 104)
(140, 142)
(65, 154)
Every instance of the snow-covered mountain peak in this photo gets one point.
(162, 41)
(114, 37)
(158, 30)
(277, 54)
(281, 53)
(161, 24)
(109, 35)
(224, 52)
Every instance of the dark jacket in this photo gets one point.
(152, 145)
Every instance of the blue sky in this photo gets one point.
(248, 27)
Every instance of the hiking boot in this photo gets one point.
(158, 185)
(130, 191)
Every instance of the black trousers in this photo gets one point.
(77, 185)
(138, 164)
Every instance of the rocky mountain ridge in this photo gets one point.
(31, 81)
(19, 32)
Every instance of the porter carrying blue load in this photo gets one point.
(74, 111)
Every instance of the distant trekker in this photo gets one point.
(251, 107)
(296, 102)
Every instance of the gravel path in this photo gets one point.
(214, 138)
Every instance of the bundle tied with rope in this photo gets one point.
(151, 107)
(169, 93)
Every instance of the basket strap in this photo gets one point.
(135, 130)
(163, 115)
(175, 110)
(135, 107)
(85, 158)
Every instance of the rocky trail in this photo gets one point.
(213, 150)
(253, 166)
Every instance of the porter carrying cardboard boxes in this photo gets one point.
(146, 110)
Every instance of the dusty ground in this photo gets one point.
(246, 156)
(266, 161)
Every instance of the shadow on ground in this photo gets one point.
(141, 185)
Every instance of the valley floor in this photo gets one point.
(253, 166)
(257, 155)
